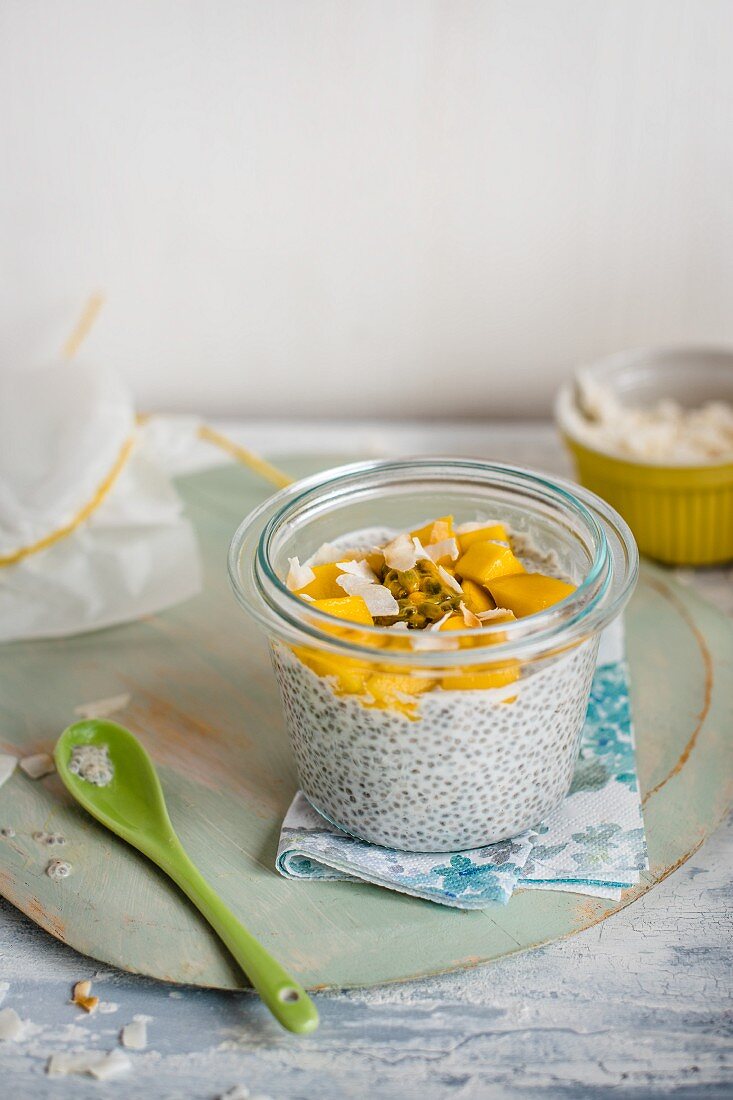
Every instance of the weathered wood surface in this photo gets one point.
(204, 702)
(638, 1005)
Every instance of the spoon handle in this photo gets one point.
(286, 999)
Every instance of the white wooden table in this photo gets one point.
(637, 1006)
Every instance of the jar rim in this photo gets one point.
(597, 599)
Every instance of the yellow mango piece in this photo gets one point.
(454, 623)
(324, 586)
(528, 593)
(388, 691)
(475, 597)
(495, 532)
(435, 531)
(482, 679)
(484, 561)
(351, 608)
(349, 674)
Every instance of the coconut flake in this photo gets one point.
(134, 1036)
(307, 598)
(7, 766)
(449, 580)
(37, 766)
(12, 1028)
(326, 554)
(401, 553)
(93, 1062)
(102, 708)
(446, 548)
(472, 525)
(358, 569)
(378, 599)
(468, 616)
(299, 575)
(492, 613)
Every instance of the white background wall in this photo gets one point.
(364, 206)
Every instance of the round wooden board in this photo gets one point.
(204, 702)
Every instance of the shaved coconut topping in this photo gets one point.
(446, 548)
(449, 580)
(299, 575)
(307, 598)
(326, 554)
(493, 613)
(358, 569)
(93, 1062)
(468, 616)
(401, 553)
(473, 525)
(437, 626)
(134, 1036)
(378, 599)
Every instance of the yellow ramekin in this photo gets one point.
(679, 514)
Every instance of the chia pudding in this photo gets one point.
(435, 678)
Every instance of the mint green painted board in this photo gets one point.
(205, 704)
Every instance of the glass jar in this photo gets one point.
(457, 740)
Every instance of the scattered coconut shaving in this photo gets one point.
(299, 575)
(7, 766)
(103, 708)
(134, 1036)
(12, 1028)
(449, 580)
(58, 869)
(92, 1063)
(35, 767)
(468, 616)
(358, 569)
(82, 996)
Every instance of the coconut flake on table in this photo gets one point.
(449, 580)
(7, 766)
(93, 1063)
(298, 575)
(103, 708)
(35, 767)
(134, 1035)
(12, 1028)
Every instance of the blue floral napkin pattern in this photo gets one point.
(593, 843)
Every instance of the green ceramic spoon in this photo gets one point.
(133, 807)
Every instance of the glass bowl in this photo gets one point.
(434, 749)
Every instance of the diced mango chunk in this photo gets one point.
(435, 531)
(351, 608)
(324, 586)
(495, 532)
(482, 679)
(528, 593)
(349, 674)
(455, 622)
(394, 691)
(484, 561)
(475, 597)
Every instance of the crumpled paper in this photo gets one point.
(70, 447)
